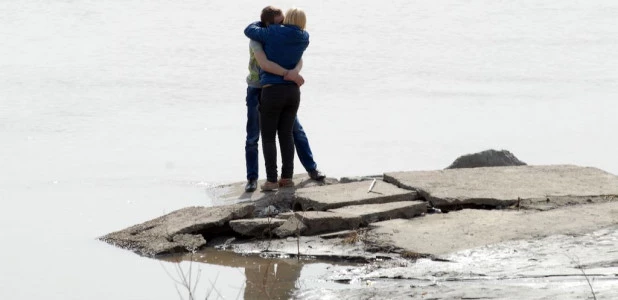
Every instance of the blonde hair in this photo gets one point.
(295, 16)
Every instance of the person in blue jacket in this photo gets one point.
(258, 61)
(284, 44)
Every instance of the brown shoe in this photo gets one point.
(286, 182)
(269, 186)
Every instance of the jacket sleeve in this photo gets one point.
(256, 33)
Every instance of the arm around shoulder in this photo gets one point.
(255, 32)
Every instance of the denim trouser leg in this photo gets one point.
(253, 132)
(302, 147)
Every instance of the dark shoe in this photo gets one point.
(251, 186)
(316, 175)
(269, 186)
(286, 182)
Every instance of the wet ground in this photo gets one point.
(556, 267)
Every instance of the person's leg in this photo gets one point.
(286, 125)
(302, 147)
(270, 109)
(253, 133)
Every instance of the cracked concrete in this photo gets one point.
(549, 200)
(507, 186)
(445, 233)
(178, 231)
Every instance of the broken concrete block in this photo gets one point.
(292, 226)
(370, 213)
(315, 222)
(171, 232)
(259, 227)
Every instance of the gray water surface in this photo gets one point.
(115, 112)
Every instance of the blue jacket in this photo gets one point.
(283, 44)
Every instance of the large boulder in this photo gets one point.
(487, 158)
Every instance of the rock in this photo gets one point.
(181, 230)
(291, 227)
(487, 158)
(315, 222)
(355, 193)
(154, 245)
(256, 227)
(191, 242)
(370, 213)
(506, 186)
(268, 211)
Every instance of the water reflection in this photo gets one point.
(264, 278)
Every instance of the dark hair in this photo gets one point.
(268, 15)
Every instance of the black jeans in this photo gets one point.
(278, 108)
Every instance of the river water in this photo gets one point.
(115, 112)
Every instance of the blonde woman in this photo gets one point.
(284, 45)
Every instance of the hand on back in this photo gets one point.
(293, 75)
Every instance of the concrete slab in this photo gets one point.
(505, 186)
(282, 199)
(370, 213)
(355, 193)
(177, 231)
(258, 227)
(315, 222)
(469, 228)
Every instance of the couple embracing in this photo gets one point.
(273, 96)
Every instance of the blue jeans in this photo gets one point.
(253, 136)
